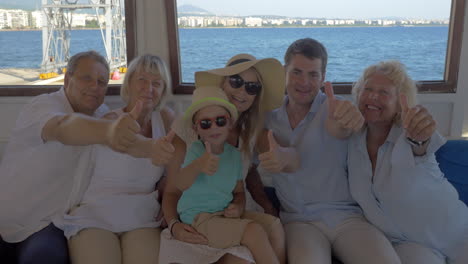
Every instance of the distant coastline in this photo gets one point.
(335, 26)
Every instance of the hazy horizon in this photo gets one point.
(354, 9)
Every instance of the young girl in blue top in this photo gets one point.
(213, 198)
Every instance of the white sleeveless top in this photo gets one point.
(121, 195)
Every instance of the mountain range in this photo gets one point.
(192, 10)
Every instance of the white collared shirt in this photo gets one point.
(40, 181)
(408, 197)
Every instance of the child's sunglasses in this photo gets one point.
(206, 123)
(252, 88)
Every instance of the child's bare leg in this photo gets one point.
(256, 239)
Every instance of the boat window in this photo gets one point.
(205, 34)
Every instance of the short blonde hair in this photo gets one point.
(395, 71)
(151, 64)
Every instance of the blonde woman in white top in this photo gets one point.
(116, 221)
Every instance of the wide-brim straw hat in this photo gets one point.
(270, 70)
(207, 96)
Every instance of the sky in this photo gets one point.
(430, 9)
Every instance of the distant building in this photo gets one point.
(3, 18)
(305, 22)
(37, 19)
(79, 20)
(231, 21)
(277, 22)
(19, 18)
(14, 18)
(253, 21)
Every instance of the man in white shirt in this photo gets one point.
(47, 162)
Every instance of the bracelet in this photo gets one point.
(172, 223)
(416, 143)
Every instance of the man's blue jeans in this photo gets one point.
(46, 246)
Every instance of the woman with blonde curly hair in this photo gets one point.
(394, 176)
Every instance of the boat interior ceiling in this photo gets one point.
(151, 27)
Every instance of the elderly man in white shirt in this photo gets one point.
(45, 169)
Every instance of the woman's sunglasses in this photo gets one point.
(206, 123)
(252, 88)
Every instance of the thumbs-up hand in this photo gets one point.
(162, 149)
(417, 121)
(122, 132)
(271, 160)
(208, 161)
(343, 113)
(233, 210)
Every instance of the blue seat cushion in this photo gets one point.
(453, 162)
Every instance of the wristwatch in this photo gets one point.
(172, 223)
(416, 143)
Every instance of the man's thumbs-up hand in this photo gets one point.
(271, 160)
(343, 113)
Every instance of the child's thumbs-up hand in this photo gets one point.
(208, 161)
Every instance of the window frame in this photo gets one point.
(452, 61)
(448, 85)
(113, 89)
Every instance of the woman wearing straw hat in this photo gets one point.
(253, 87)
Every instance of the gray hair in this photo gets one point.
(151, 64)
(75, 59)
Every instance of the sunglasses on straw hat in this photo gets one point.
(252, 88)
